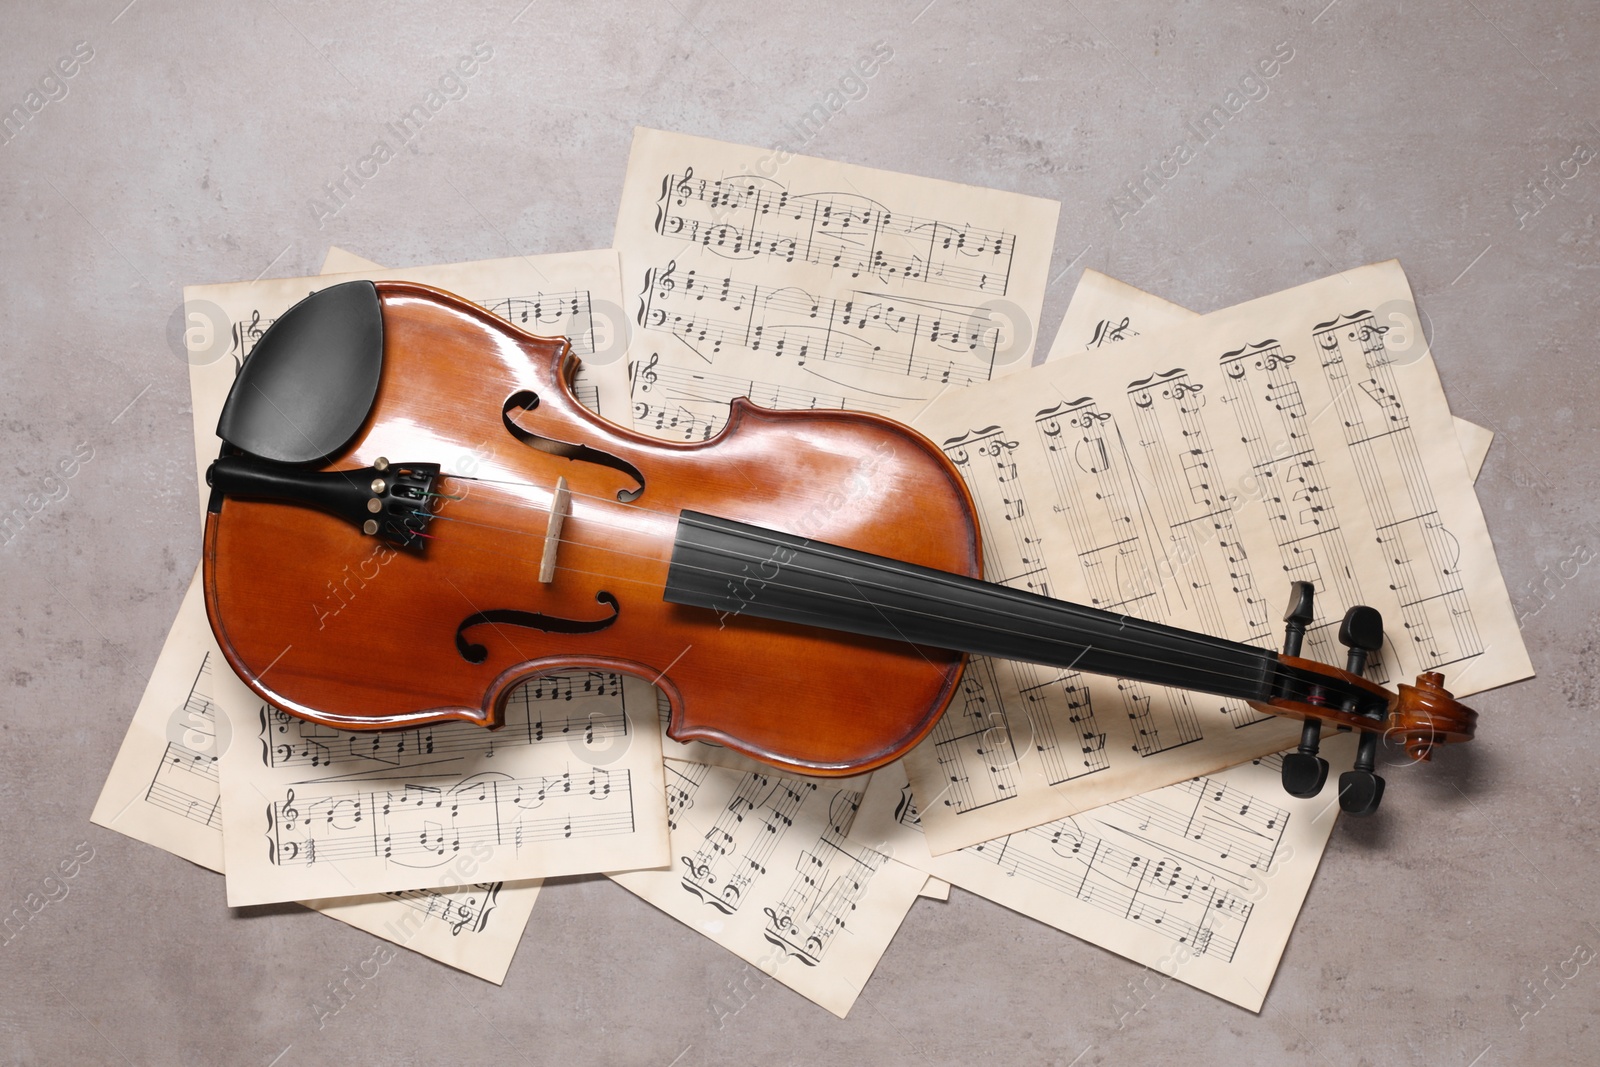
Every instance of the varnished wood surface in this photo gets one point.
(332, 625)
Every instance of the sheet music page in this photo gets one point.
(163, 790)
(804, 283)
(1200, 881)
(765, 867)
(1300, 436)
(1104, 310)
(343, 261)
(474, 928)
(574, 295)
(570, 785)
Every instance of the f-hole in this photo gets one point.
(527, 400)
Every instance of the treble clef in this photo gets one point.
(245, 335)
(645, 377)
(664, 283)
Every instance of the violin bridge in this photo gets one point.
(560, 504)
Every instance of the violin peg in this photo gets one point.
(1298, 616)
(1303, 771)
(1304, 774)
(1361, 632)
(1359, 792)
(1360, 789)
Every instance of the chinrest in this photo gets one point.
(308, 384)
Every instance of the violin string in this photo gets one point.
(606, 576)
(1128, 621)
(1201, 639)
(1206, 642)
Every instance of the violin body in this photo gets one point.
(343, 628)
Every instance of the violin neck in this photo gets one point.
(736, 569)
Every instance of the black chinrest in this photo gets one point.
(309, 383)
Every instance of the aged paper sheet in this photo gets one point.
(1199, 881)
(1189, 481)
(765, 867)
(163, 790)
(1104, 310)
(570, 785)
(804, 283)
(343, 261)
(570, 295)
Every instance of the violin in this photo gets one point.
(412, 514)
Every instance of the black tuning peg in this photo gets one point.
(1298, 616)
(1360, 789)
(1303, 770)
(1361, 632)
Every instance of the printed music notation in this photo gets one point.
(722, 868)
(185, 781)
(691, 757)
(568, 315)
(975, 744)
(1201, 880)
(691, 405)
(1362, 385)
(766, 866)
(1203, 548)
(540, 712)
(466, 909)
(871, 300)
(1107, 513)
(474, 927)
(1103, 310)
(745, 216)
(1424, 557)
(426, 825)
(1064, 496)
(865, 330)
(163, 790)
(1111, 872)
(1192, 489)
(570, 785)
(1297, 496)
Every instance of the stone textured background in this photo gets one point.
(191, 148)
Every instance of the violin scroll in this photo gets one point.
(1425, 714)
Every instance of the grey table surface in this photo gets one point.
(191, 144)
